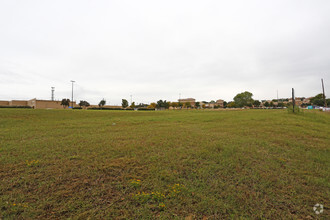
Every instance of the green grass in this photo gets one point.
(253, 164)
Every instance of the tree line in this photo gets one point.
(243, 99)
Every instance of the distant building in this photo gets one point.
(299, 100)
(36, 104)
(4, 103)
(47, 104)
(219, 102)
(18, 103)
(191, 100)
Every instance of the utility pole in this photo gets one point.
(293, 99)
(325, 101)
(53, 89)
(72, 94)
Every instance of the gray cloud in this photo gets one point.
(158, 49)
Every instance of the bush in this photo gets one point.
(77, 107)
(146, 109)
(18, 106)
(129, 109)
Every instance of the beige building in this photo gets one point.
(219, 102)
(298, 101)
(4, 103)
(191, 100)
(18, 103)
(36, 104)
(47, 104)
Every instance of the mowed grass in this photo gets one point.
(165, 164)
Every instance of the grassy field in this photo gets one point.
(165, 164)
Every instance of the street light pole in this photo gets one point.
(72, 94)
(325, 101)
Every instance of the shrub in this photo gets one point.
(146, 109)
(18, 106)
(109, 109)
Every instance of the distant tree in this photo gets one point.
(203, 105)
(166, 104)
(317, 100)
(225, 104)
(124, 103)
(266, 104)
(280, 104)
(141, 105)
(65, 103)
(243, 99)
(271, 104)
(152, 105)
(197, 104)
(132, 105)
(163, 104)
(81, 103)
(84, 104)
(231, 105)
(180, 104)
(175, 104)
(159, 104)
(187, 104)
(256, 103)
(102, 103)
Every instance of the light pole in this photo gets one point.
(72, 94)
(325, 101)
(53, 89)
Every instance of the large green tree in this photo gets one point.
(319, 101)
(256, 103)
(243, 99)
(102, 103)
(84, 104)
(132, 105)
(124, 103)
(65, 103)
(231, 105)
(163, 104)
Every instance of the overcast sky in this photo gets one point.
(155, 50)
